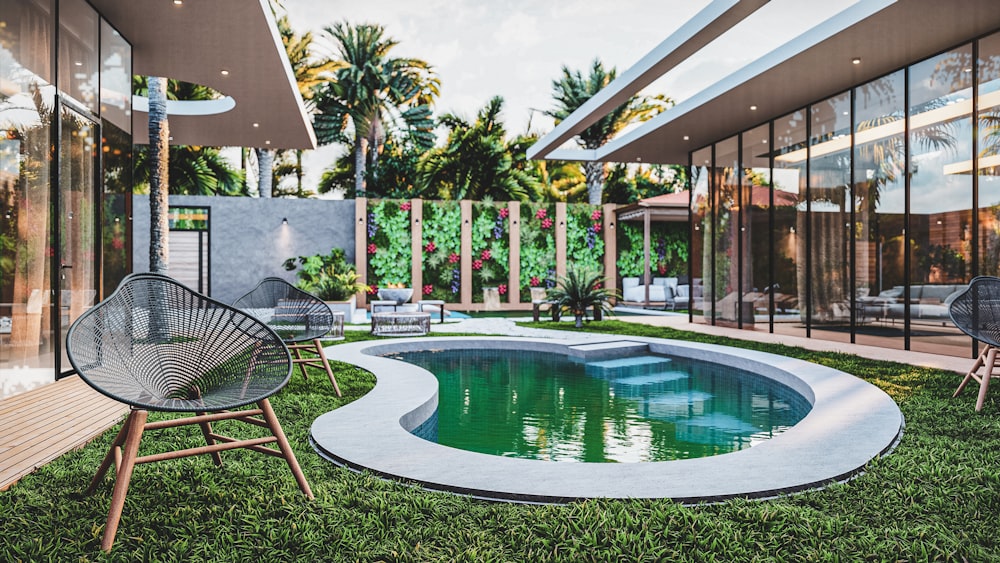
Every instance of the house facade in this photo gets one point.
(844, 186)
(68, 122)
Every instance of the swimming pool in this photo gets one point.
(553, 407)
(850, 423)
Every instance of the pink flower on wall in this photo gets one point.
(453, 258)
(428, 289)
(372, 249)
(502, 288)
(405, 206)
(372, 289)
(541, 213)
(596, 215)
(546, 223)
(504, 212)
(477, 264)
(431, 247)
(486, 255)
(535, 282)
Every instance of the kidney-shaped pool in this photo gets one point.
(500, 418)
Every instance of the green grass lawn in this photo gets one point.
(936, 497)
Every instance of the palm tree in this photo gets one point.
(580, 290)
(371, 92)
(476, 161)
(193, 171)
(310, 72)
(159, 177)
(572, 90)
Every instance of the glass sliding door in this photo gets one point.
(988, 233)
(701, 216)
(756, 203)
(831, 301)
(940, 197)
(722, 286)
(27, 99)
(789, 227)
(77, 219)
(880, 204)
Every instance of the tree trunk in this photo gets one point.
(265, 172)
(579, 320)
(159, 181)
(360, 160)
(298, 171)
(595, 181)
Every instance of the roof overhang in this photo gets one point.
(195, 42)
(885, 34)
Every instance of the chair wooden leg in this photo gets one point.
(975, 367)
(326, 365)
(136, 423)
(298, 360)
(284, 446)
(984, 383)
(206, 430)
(109, 458)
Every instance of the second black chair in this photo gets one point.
(299, 318)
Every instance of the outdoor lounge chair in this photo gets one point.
(976, 312)
(157, 345)
(299, 318)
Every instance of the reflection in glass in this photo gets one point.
(756, 201)
(701, 254)
(989, 157)
(788, 235)
(879, 200)
(723, 288)
(117, 160)
(26, 102)
(78, 64)
(116, 78)
(830, 213)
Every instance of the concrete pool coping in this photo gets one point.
(851, 422)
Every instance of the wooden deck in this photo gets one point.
(42, 424)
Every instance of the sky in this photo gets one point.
(516, 48)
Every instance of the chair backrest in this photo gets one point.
(155, 344)
(297, 316)
(976, 311)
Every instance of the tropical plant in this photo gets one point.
(327, 276)
(192, 171)
(572, 90)
(392, 176)
(390, 252)
(442, 247)
(476, 161)
(579, 290)
(370, 92)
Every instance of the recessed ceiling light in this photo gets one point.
(178, 2)
(753, 108)
(638, 159)
(686, 138)
(856, 61)
(764, 141)
(224, 72)
(256, 124)
(267, 142)
(78, 63)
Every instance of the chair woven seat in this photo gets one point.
(157, 345)
(976, 312)
(298, 317)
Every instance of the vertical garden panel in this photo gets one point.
(490, 248)
(442, 247)
(538, 247)
(584, 236)
(389, 244)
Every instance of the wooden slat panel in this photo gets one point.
(42, 424)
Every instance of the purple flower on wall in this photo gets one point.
(372, 225)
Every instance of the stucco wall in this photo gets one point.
(248, 241)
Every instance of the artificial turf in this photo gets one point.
(935, 497)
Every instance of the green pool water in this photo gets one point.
(547, 406)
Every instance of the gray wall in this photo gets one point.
(247, 238)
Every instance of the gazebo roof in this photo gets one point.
(665, 207)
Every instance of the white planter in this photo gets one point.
(491, 299)
(538, 293)
(400, 294)
(347, 307)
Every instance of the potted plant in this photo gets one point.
(329, 277)
(580, 290)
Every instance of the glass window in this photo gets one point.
(78, 64)
(879, 200)
(789, 232)
(830, 215)
(116, 78)
(989, 157)
(723, 284)
(940, 195)
(116, 146)
(756, 203)
(701, 213)
(26, 106)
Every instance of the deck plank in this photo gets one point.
(44, 423)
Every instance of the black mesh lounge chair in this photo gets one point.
(156, 345)
(299, 318)
(976, 312)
